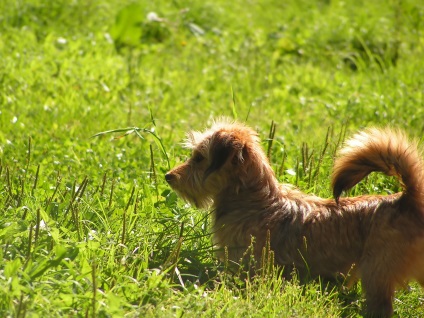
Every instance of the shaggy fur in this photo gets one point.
(377, 238)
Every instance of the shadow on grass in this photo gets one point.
(200, 268)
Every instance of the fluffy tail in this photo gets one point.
(384, 150)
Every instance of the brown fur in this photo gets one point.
(381, 236)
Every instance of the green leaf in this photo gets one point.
(12, 268)
(127, 28)
(62, 252)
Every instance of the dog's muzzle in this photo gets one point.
(169, 177)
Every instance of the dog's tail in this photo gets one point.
(384, 150)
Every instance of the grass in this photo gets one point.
(88, 225)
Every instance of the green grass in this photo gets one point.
(88, 227)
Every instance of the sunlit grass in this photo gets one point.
(88, 225)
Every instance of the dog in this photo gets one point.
(376, 238)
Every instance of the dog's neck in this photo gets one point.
(251, 193)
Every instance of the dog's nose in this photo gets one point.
(169, 177)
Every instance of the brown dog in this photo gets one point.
(381, 237)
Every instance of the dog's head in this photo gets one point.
(221, 160)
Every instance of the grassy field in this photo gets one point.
(88, 226)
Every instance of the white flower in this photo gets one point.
(153, 17)
(62, 41)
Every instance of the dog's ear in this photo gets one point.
(224, 146)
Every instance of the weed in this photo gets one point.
(88, 225)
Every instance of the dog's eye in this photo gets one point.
(197, 157)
